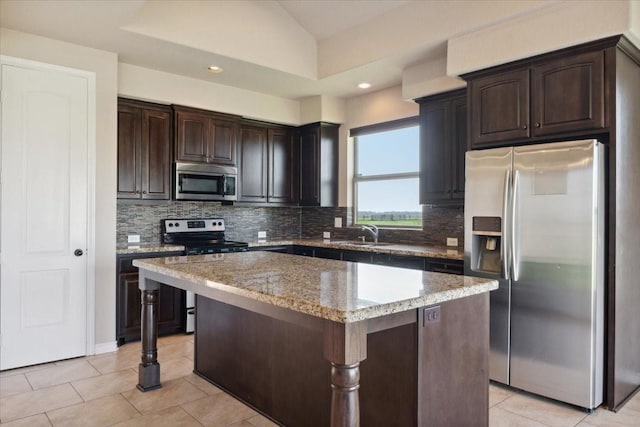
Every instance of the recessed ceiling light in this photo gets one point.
(364, 85)
(215, 69)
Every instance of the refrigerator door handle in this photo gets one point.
(514, 238)
(506, 238)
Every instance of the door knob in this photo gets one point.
(78, 252)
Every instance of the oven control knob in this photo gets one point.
(170, 224)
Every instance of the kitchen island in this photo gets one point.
(350, 312)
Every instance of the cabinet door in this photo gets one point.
(435, 153)
(128, 307)
(171, 306)
(281, 166)
(327, 253)
(303, 250)
(129, 122)
(156, 154)
(170, 309)
(192, 136)
(568, 94)
(499, 108)
(253, 165)
(449, 266)
(310, 166)
(404, 261)
(458, 147)
(222, 145)
(357, 256)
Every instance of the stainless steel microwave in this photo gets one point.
(197, 181)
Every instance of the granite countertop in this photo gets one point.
(147, 248)
(382, 247)
(335, 290)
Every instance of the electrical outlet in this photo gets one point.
(133, 238)
(452, 241)
(337, 222)
(326, 235)
(262, 234)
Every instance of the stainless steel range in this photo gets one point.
(199, 236)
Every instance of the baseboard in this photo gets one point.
(106, 347)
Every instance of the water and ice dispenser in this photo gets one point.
(487, 244)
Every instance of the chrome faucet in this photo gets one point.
(373, 230)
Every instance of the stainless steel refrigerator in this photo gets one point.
(534, 219)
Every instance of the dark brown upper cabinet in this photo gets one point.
(252, 151)
(205, 137)
(499, 107)
(546, 97)
(144, 150)
(319, 164)
(266, 164)
(443, 143)
(568, 94)
(282, 169)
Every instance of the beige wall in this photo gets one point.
(322, 108)
(104, 65)
(557, 26)
(428, 78)
(158, 86)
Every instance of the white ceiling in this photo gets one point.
(296, 41)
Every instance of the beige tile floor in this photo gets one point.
(100, 391)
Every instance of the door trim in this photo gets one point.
(90, 77)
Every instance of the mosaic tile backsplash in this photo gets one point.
(282, 223)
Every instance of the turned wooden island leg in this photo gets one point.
(149, 368)
(345, 346)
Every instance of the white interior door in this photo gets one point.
(43, 294)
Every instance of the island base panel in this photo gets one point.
(279, 369)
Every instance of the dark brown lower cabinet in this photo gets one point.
(171, 303)
(440, 265)
(415, 374)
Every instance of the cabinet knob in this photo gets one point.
(537, 125)
(524, 126)
(78, 252)
(144, 192)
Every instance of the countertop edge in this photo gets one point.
(391, 248)
(341, 316)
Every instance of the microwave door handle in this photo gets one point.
(224, 185)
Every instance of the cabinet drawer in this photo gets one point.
(125, 262)
(327, 253)
(451, 266)
(357, 256)
(404, 261)
(303, 250)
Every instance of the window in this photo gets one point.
(386, 174)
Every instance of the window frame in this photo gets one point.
(358, 177)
